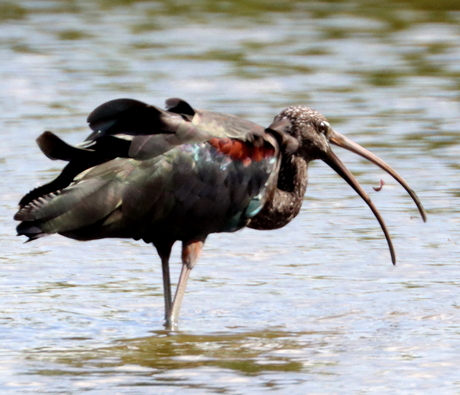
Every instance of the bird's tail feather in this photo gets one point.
(73, 208)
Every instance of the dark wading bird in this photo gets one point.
(181, 174)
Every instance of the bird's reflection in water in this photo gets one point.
(166, 355)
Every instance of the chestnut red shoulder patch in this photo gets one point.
(240, 150)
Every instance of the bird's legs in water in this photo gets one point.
(164, 251)
(191, 251)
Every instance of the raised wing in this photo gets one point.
(111, 123)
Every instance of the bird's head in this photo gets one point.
(310, 129)
(315, 136)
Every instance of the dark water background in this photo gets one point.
(313, 308)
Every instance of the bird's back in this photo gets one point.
(178, 184)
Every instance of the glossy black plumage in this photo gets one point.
(181, 174)
(156, 185)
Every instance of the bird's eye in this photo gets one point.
(324, 128)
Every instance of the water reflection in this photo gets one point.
(165, 357)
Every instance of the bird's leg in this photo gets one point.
(191, 251)
(164, 251)
(166, 286)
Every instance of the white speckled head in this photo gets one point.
(310, 128)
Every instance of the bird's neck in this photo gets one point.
(287, 197)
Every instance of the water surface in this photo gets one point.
(315, 307)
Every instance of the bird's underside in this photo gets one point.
(181, 174)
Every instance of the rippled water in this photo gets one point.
(315, 307)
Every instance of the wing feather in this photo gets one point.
(145, 171)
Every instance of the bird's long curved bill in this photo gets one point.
(342, 141)
(336, 164)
